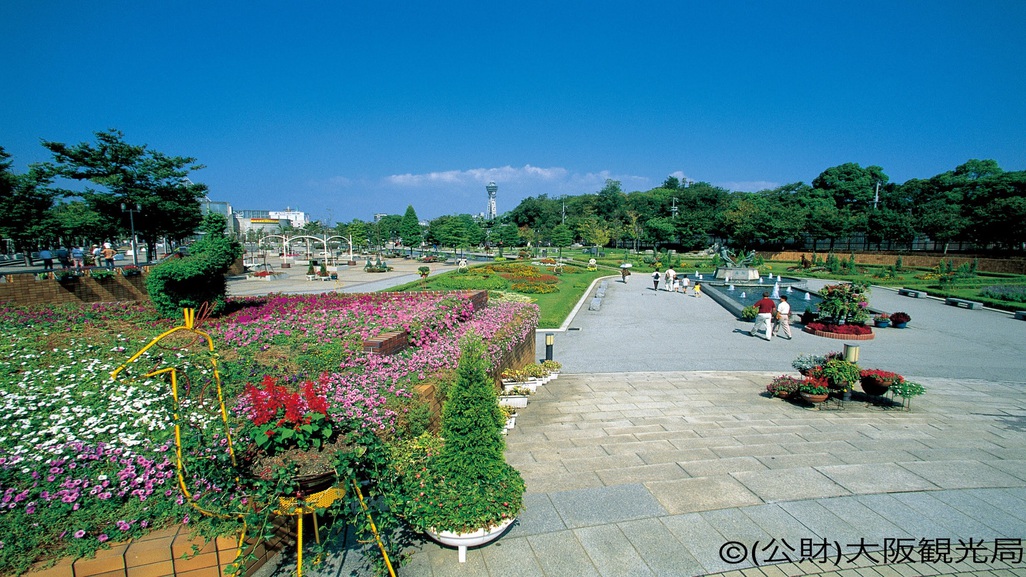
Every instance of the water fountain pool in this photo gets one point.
(739, 294)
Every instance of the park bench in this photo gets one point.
(596, 304)
(1020, 315)
(916, 294)
(963, 303)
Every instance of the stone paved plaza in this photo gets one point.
(657, 453)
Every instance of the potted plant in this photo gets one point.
(814, 390)
(510, 414)
(845, 303)
(467, 495)
(66, 276)
(876, 382)
(311, 274)
(906, 390)
(553, 368)
(323, 272)
(101, 273)
(804, 363)
(514, 396)
(130, 270)
(900, 319)
(882, 320)
(841, 375)
(784, 386)
(290, 429)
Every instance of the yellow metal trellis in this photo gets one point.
(287, 505)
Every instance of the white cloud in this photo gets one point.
(480, 176)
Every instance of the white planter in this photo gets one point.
(529, 385)
(511, 422)
(464, 540)
(515, 401)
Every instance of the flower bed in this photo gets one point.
(844, 332)
(86, 460)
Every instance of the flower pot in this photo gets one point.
(873, 387)
(898, 325)
(473, 539)
(881, 324)
(515, 401)
(815, 399)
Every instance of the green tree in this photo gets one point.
(410, 230)
(119, 174)
(596, 231)
(27, 201)
(75, 220)
(746, 219)
(561, 237)
(506, 236)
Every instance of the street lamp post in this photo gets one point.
(131, 219)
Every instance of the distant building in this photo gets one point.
(297, 218)
(269, 221)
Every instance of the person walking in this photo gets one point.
(64, 257)
(684, 284)
(783, 318)
(671, 275)
(625, 273)
(78, 256)
(764, 318)
(108, 255)
(97, 253)
(698, 291)
(655, 280)
(47, 257)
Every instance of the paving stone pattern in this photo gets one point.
(656, 470)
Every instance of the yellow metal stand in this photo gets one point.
(301, 506)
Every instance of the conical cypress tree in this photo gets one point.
(471, 419)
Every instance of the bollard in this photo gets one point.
(549, 339)
(851, 353)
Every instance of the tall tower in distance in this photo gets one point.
(490, 213)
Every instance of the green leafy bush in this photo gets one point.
(468, 485)
(749, 313)
(191, 281)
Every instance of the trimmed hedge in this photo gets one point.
(190, 281)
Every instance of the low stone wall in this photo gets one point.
(28, 289)
(999, 265)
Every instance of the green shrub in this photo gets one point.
(1013, 293)
(749, 313)
(191, 281)
(468, 485)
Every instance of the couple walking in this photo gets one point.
(768, 311)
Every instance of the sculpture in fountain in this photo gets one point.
(738, 267)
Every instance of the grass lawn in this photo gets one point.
(555, 295)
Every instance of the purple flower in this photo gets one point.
(79, 534)
(103, 537)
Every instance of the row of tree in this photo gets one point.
(977, 202)
(86, 192)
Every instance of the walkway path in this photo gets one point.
(656, 448)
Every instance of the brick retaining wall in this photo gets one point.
(1000, 265)
(170, 552)
(27, 289)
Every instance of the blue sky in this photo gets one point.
(347, 108)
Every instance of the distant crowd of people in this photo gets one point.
(76, 257)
